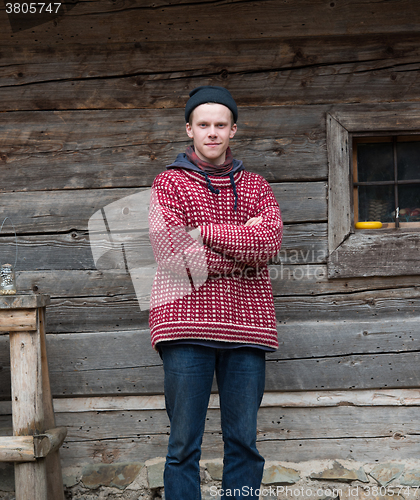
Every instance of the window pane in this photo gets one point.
(376, 203)
(375, 161)
(409, 201)
(408, 154)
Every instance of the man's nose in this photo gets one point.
(212, 130)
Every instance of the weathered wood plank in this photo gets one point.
(29, 64)
(350, 372)
(96, 301)
(383, 398)
(23, 301)
(370, 306)
(398, 116)
(277, 159)
(339, 211)
(302, 202)
(376, 254)
(142, 20)
(363, 449)
(20, 320)
(302, 243)
(123, 312)
(312, 280)
(286, 280)
(57, 132)
(64, 283)
(308, 399)
(55, 211)
(312, 339)
(297, 72)
(96, 314)
(318, 430)
(306, 340)
(347, 83)
(52, 252)
(144, 448)
(77, 154)
(312, 356)
(34, 132)
(369, 430)
(273, 423)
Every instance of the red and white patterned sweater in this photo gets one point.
(228, 296)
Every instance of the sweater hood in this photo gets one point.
(182, 161)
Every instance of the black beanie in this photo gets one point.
(209, 93)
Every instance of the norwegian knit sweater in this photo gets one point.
(215, 286)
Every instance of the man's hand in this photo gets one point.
(253, 220)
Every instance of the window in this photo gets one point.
(386, 180)
(391, 181)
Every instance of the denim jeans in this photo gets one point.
(240, 375)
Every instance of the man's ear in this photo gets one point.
(188, 128)
(233, 131)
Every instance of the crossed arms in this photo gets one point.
(225, 247)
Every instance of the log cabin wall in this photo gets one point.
(92, 110)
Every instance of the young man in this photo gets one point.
(220, 319)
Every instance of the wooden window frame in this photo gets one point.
(388, 139)
(365, 253)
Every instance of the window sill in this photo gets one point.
(403, 225)
(376, 252)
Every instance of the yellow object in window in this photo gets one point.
(373, 224)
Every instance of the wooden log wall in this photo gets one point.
(91, 110)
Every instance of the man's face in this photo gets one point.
(211, 129)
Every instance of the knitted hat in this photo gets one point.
(209, 93)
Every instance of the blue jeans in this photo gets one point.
(240, 375)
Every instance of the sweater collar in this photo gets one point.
(183, 161)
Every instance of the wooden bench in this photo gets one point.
(34, 446)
